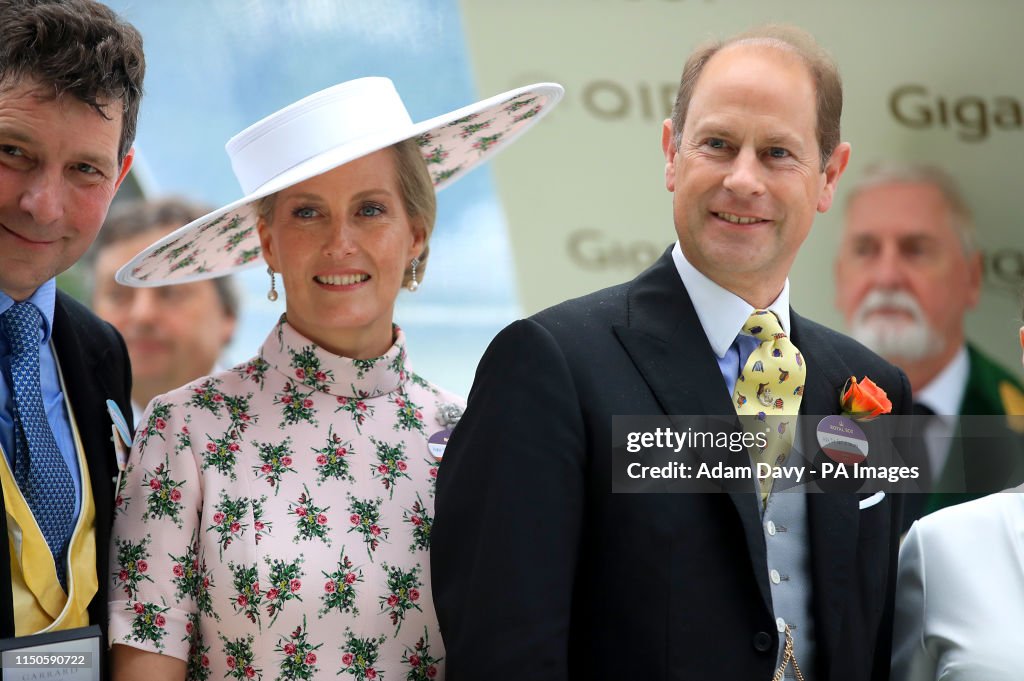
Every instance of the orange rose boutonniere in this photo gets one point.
(863, 401)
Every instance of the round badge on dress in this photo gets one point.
(438, 441)
(842, 440)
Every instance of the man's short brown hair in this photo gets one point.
(827, 84)
(76, 47)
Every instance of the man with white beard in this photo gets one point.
(907, 272)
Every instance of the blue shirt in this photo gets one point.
(45, 298)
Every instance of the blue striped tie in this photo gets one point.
(39, 469)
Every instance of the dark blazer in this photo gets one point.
(540, 572)
(94, 362)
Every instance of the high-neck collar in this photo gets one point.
(309, 365)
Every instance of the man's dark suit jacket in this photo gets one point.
(94, 362)
(540, 572)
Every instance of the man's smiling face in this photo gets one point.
(58, 174)
(747, 176)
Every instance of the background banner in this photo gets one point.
(934, 80)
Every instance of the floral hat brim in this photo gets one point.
(226, 240)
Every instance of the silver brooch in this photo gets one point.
(448, 415)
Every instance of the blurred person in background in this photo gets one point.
(174, 334)
(907, 273)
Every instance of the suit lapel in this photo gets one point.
(832, 517)
(666, 342)
(87, 388)
(83, 358)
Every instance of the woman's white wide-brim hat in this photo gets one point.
(316, 134)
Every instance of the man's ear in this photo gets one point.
(975, 273)
(834, 168)
(126, 165)
(227, 330)
(669, 148)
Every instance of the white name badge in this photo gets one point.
(69, 654)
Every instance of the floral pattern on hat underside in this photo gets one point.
(229, 241)
(274, 520)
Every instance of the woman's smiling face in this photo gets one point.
(342, 241)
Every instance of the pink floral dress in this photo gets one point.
(274, 520)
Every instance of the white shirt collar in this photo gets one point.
(721, 312)
(945, 392)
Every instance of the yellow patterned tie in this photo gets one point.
(770, 388)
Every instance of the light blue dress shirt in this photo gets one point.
(44, 299)
(736, 358)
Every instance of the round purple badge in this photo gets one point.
(842, 440)
(438, 441)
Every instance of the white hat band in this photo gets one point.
(266, 149)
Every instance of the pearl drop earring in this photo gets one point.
(413, 283)
(272, 293)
